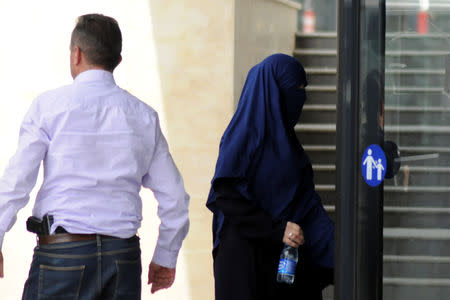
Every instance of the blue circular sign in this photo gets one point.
(373, 165)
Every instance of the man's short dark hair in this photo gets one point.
(99, 38)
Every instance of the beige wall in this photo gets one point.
(263, 27)
(204, 50)
(194, 43)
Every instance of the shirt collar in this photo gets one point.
(95, 75)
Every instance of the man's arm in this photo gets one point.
(20, 175)
(164, 179)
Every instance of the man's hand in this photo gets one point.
(1, 265)
(293, 235)
(160, 277)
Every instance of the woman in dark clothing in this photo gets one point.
(263, 195)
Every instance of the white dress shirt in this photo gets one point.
(99, 145)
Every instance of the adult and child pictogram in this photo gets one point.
(373, 165)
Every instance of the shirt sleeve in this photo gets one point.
(21, 173)
(164, 179)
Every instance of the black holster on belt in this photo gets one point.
(40, 227)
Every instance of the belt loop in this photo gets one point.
(99, 240)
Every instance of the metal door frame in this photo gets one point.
(360, 122)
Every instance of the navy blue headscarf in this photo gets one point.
(259, 146)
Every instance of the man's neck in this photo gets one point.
(85, 68)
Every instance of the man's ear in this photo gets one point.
(77, 55)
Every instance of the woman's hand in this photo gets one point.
(293, 235)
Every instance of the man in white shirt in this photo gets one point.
(99, 145)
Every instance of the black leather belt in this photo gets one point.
(69, 237)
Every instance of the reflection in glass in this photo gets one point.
(417, 118)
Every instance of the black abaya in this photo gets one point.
(246, 260)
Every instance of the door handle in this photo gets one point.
(394, 160)
(417, 157)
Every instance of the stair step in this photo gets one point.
(394, 40)
(436, 271)
(394, 58)
(444, 282)
(413, 241)
(321, 88)
(317, 34)
(423, 199)
(417, 53)
(405, 289)
(411, 99)
(406, 115)
(320, 148)
(316, 134)
(427, 149)
(416, 266)
(316, 40)
(409, 149)
(420, 58)
(389, 35)
(414, 89)
(403, 209)
(325, 58)
(394, 77)
(319, 70)
(315, 127)
(411, 169)
(401, 71)
(325, 187)
(416, 241)
(411, 71)
(409, 217)
(396, 89)
(319, 107)
(417, 41)
(417, 234)
(417, 129)
(404, 178)
(324, 96)
(333, 52)
(317, 52)
(422, 109)
(324, 154)
(394, 189)
(415, 6)
(412, 189)
(417, 259)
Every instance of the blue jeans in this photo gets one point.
(104, 268)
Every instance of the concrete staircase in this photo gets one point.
(417, 117)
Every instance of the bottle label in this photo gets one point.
(287, 266)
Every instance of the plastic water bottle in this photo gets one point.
(287, 265)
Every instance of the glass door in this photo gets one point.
(416, 248)
(393, 233)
